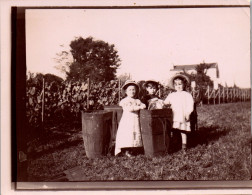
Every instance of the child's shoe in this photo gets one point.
(127, 153)
(184, 147)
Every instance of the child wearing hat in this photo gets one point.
(151, 99)
(128, 133)
(182, 105)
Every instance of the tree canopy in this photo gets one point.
(94, 59)
(200, 77)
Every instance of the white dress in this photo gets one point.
(128, 133)
(182, 105)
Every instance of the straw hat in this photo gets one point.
(181, 76)
(130, 82)
(151, 81)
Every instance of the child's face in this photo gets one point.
(131, 91)
(178, 85)
(151, 89)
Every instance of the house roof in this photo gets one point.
(192, 66)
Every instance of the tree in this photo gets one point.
(37, 78)
(200, 77)
(64, 59)
(124, 77)
(94, 59)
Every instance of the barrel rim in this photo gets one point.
(96, 112)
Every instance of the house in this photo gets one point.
(214, 75)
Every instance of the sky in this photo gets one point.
(149, 41)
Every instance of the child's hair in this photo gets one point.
(151, 83)
(127, 84)
(136, 95)
(183, 81)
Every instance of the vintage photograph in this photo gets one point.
(126, 94)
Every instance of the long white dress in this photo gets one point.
(182, 105)
(128, 133)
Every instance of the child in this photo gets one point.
(128, 133)
(151, 100)
(182, 106)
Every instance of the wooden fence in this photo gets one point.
(214, 96)
(222, 95)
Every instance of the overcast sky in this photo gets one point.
(149, 41)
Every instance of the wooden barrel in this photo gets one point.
(96, 127)
(117, 115)
(155, 129)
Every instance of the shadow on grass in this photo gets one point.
(206, 134)
(59, 144)
(202, 136)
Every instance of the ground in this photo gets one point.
(220, 150)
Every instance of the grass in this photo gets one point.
(220, 150)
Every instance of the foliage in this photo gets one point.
(124, 77)
(63, 59)
(94, 59)
(34, 86)
(142, 90)
(200, 77)
(221, 150)
(65, 100)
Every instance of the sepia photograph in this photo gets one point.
(131, 94)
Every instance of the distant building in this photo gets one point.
(214, 75)
(192, 67)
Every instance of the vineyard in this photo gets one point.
(52, 102)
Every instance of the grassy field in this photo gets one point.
(221, 150)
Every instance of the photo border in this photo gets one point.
(18, 71)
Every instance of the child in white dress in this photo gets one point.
(128, 133)
(182, 105)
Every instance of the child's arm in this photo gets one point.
(168, 99)
(129, 106)
(155, 103)
(189, 106)
(138, 105)
(144, 100)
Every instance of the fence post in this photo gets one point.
(214, 95)
(227, 94)
(43, 102)
(88, 94)
(240, 95)
(219, 94)
(208, 94)
(119, 90)
(240, 92)
(42, 132)
(223, 94)
(231, 94)
(235, 94)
